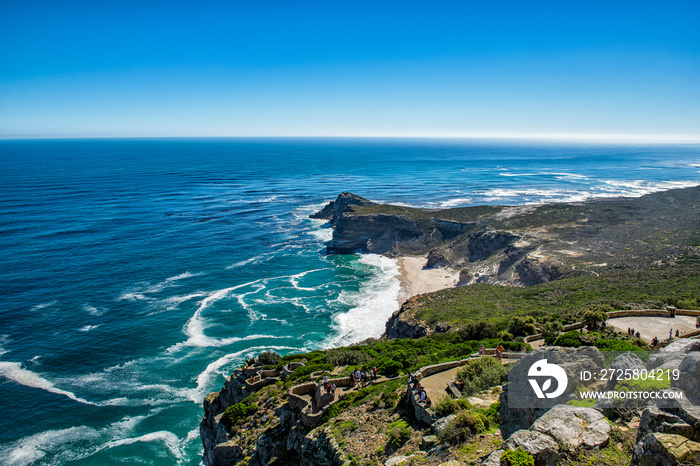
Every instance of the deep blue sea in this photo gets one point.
(136, 274)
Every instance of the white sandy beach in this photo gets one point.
(416, 280)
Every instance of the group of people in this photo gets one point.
(422, 395)
(328, 385)
(362, 377)
(632, 333)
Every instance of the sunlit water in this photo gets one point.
(137, 274)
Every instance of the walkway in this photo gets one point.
(436, 384)
(650, 327)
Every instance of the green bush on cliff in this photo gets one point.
(481, 374)
(233, 414)
(465, 425)
(398, 432)
(517, 457)
(569, 339)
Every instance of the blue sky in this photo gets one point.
(305, 68)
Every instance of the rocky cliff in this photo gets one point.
(519, 246)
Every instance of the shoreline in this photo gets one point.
(415, 280)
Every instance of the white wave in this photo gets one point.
(294, 280)
(205, 378)
(174, 301)
(41, 306)
(373, 304)
(170, 440)
(140, 290)
(13, 371)
(4, 341)
(73, 443)
(92, 310)
(255, 259)
(456, 202)
(87, 328)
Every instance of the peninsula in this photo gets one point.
(510, 275)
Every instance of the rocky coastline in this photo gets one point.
(516, 247)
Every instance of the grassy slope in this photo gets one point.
(619, 288)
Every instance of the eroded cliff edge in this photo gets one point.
(519, 245)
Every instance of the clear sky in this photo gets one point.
(307, 68)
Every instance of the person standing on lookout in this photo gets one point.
(670, 334)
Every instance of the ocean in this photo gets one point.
(137, 274)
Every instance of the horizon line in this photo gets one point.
(563, 137)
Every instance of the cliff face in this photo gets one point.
(519, 246)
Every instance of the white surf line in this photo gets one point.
(13, 371)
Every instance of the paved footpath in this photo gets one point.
(650, 327)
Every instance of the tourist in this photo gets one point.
(325, 380)
(629, 331)
(655, 342)
(670, 334)
(499, 351)
(638, 335)
(678, 333)
(482, 350)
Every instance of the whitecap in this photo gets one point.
(66, 445)
(13, 371)
(87, 328)
(92, 310)
(255, 259)
(456, 202)
(170, 440)
(372, 305)
(205, 378)
(41, 306)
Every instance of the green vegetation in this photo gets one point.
(517, 457)
(362, 396)
(481, 374)
(237, 412)
(395, 357)
(604, 341)
(465, 425)
(565, 300)
(398, 432)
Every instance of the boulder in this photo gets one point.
(689, 380)
(442, 423)
(494, 459)
(659, 449)
(655, 420)
(520, 406)
(541, 446)
(574, 427)
(227, 453)
(671, 356)
(395, 460)
(428, 442)
(623, 362)
(435, 259)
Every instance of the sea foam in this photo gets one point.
(372, 305)
(13, 371)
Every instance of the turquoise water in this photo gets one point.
(136, 274)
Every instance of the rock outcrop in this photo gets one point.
(520, 406)
(335, 209)
(562, 428)
(668, 434)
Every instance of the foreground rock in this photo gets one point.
(563, 428)
(520, 406)
(668, 434)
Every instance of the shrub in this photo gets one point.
(550, 331)
(389, 368)
(449, 405)
(398, 432)
(505, 335)
(517, 457)
(619, 345)
(233, 414)
(346, 357)
(465, 425)
(570, 339)
(595, 318)
(522, 326)
(481, 374)
(269, 358)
